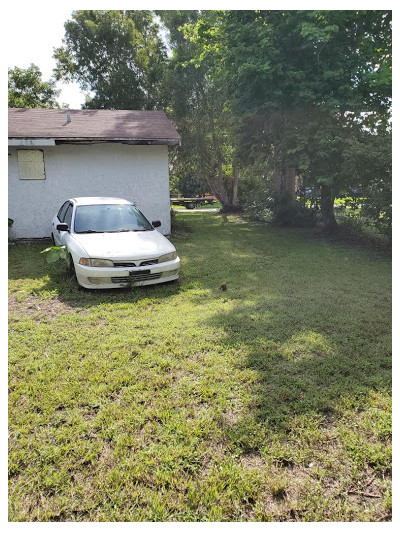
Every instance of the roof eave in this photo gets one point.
(26, 141)
(19, 141)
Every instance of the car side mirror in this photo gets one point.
(62, 227)
(156, 223)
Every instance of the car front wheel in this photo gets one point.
(70, 264)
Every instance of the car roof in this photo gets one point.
(99, 200)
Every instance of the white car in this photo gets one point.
(111, 244)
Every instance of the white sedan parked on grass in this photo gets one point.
(111, 244)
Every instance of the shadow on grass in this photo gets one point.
(304, 366)
(312, 317)
(27, 263)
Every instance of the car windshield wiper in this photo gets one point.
(125, 230)
(112, 230)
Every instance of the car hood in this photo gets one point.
(126, 245)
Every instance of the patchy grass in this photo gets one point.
(269, 401)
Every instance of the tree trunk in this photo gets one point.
(285, 182)
(220, 191)
(277, 184)
(327, 211)
(290, 184)
(219, 188)
(235, 186)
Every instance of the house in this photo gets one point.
(58, 154)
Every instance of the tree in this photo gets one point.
(303, 77)
(117, 55)
(197, 86)
(182, 86)
(284, 93)
(27, 89)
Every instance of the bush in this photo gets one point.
(379, 209)
(373, 209)
(289, 214)
(363, 229)
(55, 253)
(278, 210)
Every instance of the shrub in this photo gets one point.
(54, 253)
(287, 213)
(379, 210)
(278, 210)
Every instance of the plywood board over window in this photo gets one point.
(31, 165)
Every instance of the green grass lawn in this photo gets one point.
(269, 401)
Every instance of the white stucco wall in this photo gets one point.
(136, 173)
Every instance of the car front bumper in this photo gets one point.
(119, 277)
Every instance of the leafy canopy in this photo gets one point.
(116, 55)
(27, 89)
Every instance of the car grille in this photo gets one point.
(149, 262)
(136, 276)
(127, 264)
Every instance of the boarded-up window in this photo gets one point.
(31, 165)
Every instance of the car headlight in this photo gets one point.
(95, 262)
(167, 257)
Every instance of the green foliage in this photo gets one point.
(286, 213)
(54, 253)
(256, 95)
(295, 59)
(304, 82)
(378, 208)
(190, 186)
(368, 158)
(208, 159)
(10, 222)
(279, 210)
(117, 55)
(256, 190)
(27, 89)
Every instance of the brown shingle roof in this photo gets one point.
(91, 124)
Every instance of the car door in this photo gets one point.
(64, 235)
(58, 219)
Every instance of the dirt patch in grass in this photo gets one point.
(252, 461)
(231, 418)
(283, 492)
(39, 308)
(290, 493)
(215, 454)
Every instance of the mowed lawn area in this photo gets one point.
(268, 401)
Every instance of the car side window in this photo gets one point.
(68, 216)
(62, 211)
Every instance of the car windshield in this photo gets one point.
(109, 218)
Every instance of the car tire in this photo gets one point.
(190, 206)
(71, 267)
(72, 272)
